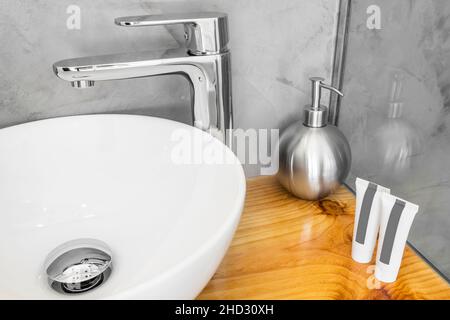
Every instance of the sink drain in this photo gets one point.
(78, 266)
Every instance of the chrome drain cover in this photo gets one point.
(78, 266)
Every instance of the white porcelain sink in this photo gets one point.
(113, 178)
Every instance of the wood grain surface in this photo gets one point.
(286, 248)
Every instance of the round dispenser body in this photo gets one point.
(314, 162)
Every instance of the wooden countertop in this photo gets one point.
(286, 248)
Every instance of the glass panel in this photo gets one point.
(396, 112)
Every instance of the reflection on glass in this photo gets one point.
(396, 112)
(396, 140)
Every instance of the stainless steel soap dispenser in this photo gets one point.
(315, 157)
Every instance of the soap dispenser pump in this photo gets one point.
(314, 157)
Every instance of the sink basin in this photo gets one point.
(113, 178)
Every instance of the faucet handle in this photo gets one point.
(205, 32)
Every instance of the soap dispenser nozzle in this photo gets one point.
(316, 115)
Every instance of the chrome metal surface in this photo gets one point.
(316, 115)
(313, 161)
(205, 63)
(314, 158)
(316, 118)
(316, 94)
(340, 46)
(78, 265)
(206, 32)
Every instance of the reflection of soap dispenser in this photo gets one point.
(315, 157)
(396, 141)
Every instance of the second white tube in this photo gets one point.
(397, 216)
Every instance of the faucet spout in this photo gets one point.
(201, 71)
(205, 63)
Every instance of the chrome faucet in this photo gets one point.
(205, 63)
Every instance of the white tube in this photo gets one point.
(396, 219)
(367, 219)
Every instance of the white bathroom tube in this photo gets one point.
(367, 219)
(396, 219)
